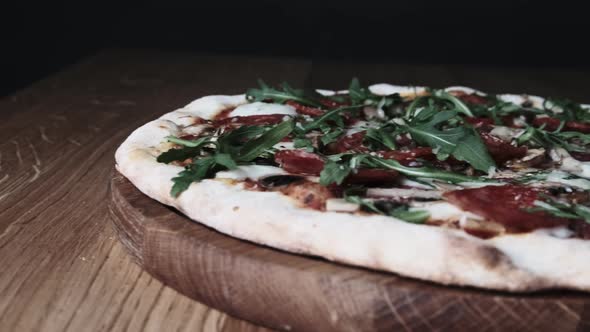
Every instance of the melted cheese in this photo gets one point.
(388, 89)
(341, 205)
(506, 133)
(444, 211)
(402, 192)
(329, 93)
(562, 177)
(569, 164)
(252, 172)
(194, 129)
(259, 108)
(520, 99)
(561, 232)
(464, 89)
(208, 107)
(284, 146)
(359, 126)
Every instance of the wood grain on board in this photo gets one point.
(291, 292)
(62, 266)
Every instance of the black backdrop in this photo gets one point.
(40, 37)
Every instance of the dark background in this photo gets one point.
(41, 38)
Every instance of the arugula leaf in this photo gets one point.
(331, 136)
(331, 115)
(306, 143)
(427, 134)
(254, 148)
(231, 142)
(178, 155)
(541, 137)
(233, 147)
(201, 169)
(357, 94)
(225, 160)
(189, 143)
(584, 138)
(194, 172)
(457, 103)
(367, 204)
(413, 216)
(339, 166)
(381, 137)
(439, 100)
(472, 150)
(279, 96)
(334, 172)
(392, 209)
(421, 172)
(583, 211)
(563, 210)
(566, 109)
(240, 135)
(462, 142)
(505, 107)
(191, 149)
(363, 96)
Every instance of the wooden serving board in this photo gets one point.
(291, 292)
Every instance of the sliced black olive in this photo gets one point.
(278, 180)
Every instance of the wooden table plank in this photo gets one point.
(62, 268)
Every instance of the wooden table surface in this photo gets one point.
(62, 267)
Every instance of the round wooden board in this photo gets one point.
(291, 292)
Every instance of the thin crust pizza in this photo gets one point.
(451, 185)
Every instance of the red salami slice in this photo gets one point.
(299, 162)
(474, 99)
(409, 156)
(581, 156)
(470, 98)
(346, 143)
(372, 177)
(505, 205)
(305, 110)
(552, 124)
(481, 123)
(502, 151)
(581, 229)
(306, 163)
(578, 126)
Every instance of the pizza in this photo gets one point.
(450, 185)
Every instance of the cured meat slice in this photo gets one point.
(506, 205)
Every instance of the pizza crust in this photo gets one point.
(516, 262)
